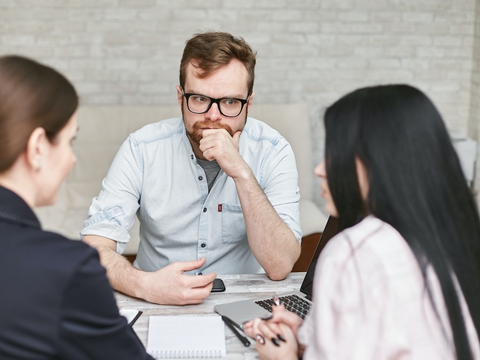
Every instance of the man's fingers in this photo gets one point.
(170, 286)
(236, 137)
(209, 278)
(197, 283)
(189, 265)
(196, 294)
(201, 281)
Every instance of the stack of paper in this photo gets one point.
(186, 337)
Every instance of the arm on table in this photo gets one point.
(164, 286)
(271, 240)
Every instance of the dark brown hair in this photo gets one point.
(212, 50)
(32, 95)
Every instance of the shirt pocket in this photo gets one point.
(233, 224)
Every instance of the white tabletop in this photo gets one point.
(238, 287)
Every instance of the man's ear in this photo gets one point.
(36, 148)
(179, 95)
(362, 177)
(250, 100)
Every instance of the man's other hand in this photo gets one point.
(169, 286)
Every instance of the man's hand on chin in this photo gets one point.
(217, 144)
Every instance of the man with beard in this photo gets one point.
(215, 191)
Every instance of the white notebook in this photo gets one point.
(178, 336)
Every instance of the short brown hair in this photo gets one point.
(31, 95)
(212, 50)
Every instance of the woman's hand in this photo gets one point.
(277, 336)
(279, 316)
(274, 349)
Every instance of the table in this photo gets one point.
(238, 287)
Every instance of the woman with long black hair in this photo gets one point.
(402, 278)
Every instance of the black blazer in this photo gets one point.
(55, 299)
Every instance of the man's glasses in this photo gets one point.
(200, 104)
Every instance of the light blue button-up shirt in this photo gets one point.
(156, 176)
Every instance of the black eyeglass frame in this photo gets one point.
(215, 101)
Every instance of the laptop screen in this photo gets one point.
(329, 232)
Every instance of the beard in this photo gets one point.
(195, 133)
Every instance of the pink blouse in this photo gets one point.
(370, 301)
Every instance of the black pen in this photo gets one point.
(240, 337)
(135, 318)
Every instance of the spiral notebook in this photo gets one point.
(200, 336)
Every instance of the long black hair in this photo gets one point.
(416, 184)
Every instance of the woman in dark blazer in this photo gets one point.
(55, 302)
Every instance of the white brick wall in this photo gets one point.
(128, 51)
(474, 111)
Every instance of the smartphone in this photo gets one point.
(218, 285)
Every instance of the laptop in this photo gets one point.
(298, 302)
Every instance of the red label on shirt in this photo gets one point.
(219, 207)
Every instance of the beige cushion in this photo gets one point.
(103, 129)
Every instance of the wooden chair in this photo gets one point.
(309, 244)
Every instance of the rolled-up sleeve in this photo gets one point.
(112, 213)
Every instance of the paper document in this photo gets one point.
(200, 336)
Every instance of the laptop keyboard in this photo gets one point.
(293, 303)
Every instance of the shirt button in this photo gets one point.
(191, 156)
(204, 209)
(203, 245)
(200, 178)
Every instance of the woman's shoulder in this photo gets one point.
(49, 250)
(368, 233)
(74, 250)
(373, 243)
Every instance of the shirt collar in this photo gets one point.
(14, 209)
